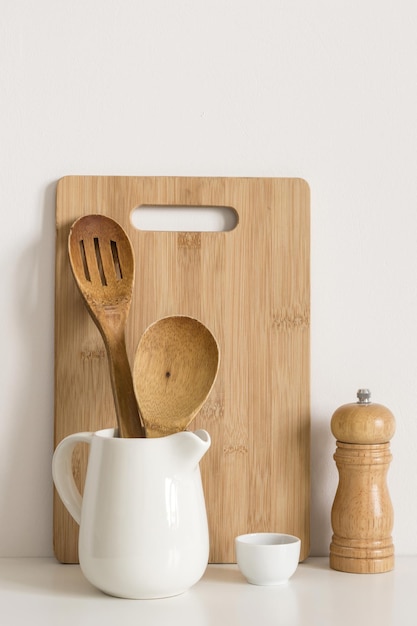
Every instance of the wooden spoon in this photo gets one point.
(102, 262)
(174, 370)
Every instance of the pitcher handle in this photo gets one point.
(63, 476)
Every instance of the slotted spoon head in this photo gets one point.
(102, 263)
(175, 367)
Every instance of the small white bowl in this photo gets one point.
(267, 558)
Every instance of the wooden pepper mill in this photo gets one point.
(362, 513)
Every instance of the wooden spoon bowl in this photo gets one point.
(175, 367)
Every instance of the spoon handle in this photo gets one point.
(127, 411)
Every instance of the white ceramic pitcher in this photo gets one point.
(143, 523)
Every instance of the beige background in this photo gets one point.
(322, 90)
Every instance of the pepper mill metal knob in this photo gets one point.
(362, 514)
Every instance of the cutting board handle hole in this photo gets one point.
(178, 218)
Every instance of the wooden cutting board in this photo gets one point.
(250, 286)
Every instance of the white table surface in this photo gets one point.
(41, 591)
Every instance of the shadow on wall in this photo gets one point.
(324, 480)
(26, 491)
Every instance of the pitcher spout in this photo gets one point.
(193, 446)
(205, 441)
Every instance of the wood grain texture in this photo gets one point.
(251, 288)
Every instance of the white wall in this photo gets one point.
(324, 90)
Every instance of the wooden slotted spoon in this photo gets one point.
(175, 367)
(102, 263)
